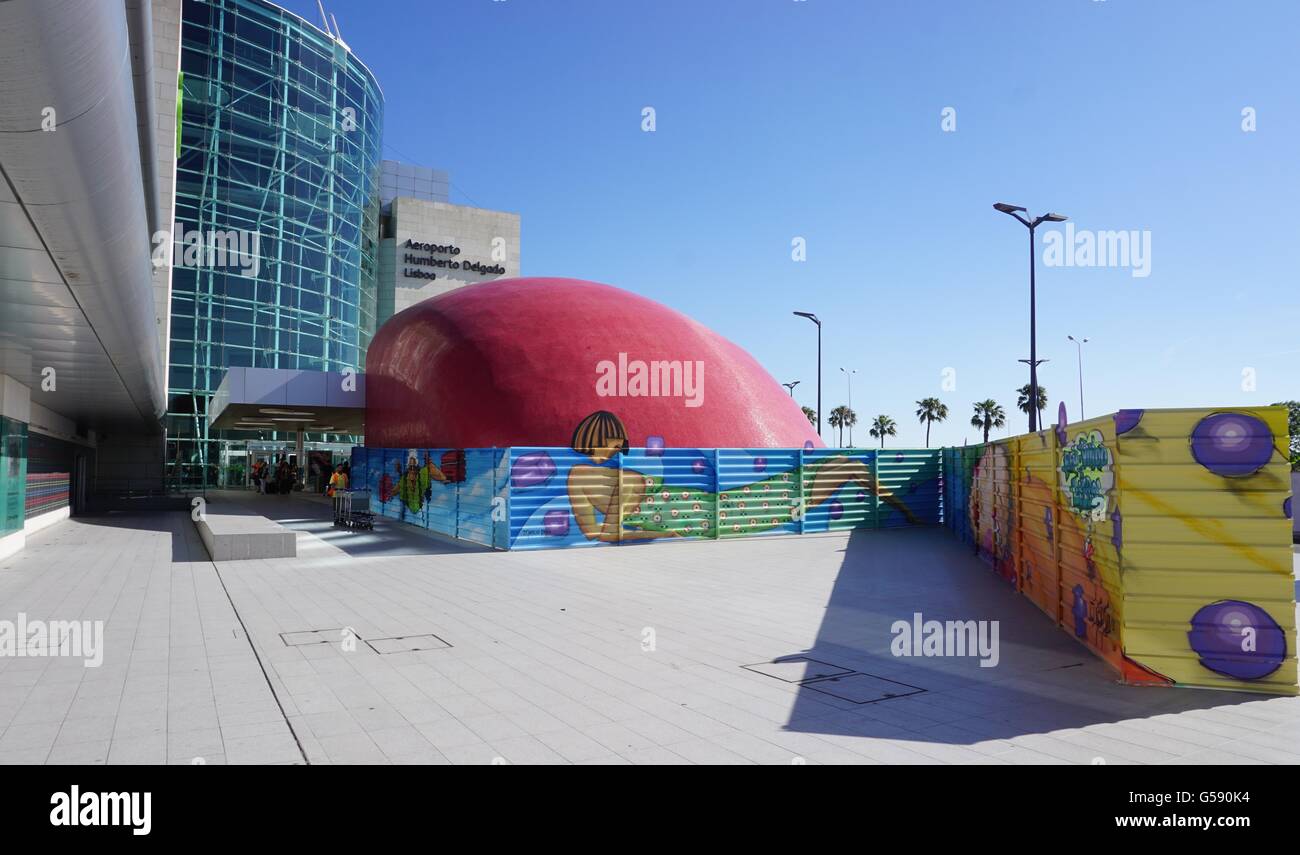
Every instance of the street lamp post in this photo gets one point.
(1079, 345)
(810, 316)
(849, 375)
(791, 386)
(1013, 211)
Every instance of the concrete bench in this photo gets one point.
(241, 536)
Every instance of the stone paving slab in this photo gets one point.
(179, 679)
(627, 655)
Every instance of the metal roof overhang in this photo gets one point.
(262, 399)
(76, 278)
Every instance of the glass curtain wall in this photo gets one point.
(278, 169)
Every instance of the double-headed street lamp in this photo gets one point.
(1014, 211)
(810, 316)
(1079, 344)
(791, 386)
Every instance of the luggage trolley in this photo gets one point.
(352, 509)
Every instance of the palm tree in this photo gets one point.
(1022, 400)
(810, 414)
(930, 410)
(842, 417)
(882, 427)
(988, 415)
(850, 419)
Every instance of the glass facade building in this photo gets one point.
(279, 157)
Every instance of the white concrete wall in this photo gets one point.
(166, 68)
(487, 237)
(50, 423)
(12, 543)
(15, 399)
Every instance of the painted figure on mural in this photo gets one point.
(415, 484)
(1087, 487)
(650, 508)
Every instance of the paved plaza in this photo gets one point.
(397, 647)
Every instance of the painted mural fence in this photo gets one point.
(457, 492)
(1161, 539)
(563, 498)
(546, 498)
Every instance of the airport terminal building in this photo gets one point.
(221, 201)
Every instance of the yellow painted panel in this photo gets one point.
(1158, 538)
(1210, 585)
(1212, 503)
(1200, 556)
(1205, 545)
(1187, 475)
(1228, 531)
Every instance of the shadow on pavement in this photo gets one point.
(1043, 680)
(314, 516)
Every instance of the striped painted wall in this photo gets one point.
(46, 492)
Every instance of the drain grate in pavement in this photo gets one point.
(797, 669)
(312, 636)
(407, 643)
(862, 688)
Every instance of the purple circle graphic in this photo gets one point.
(1220, 632)
(654, 446)
(1126, 420)
(531, 470)
(1232, 444)
(700, 466)
(1286, 508)
(1117, 537)
(861, 496)
(837, 509)
(808, 445)
(760, 464)
(556, 523)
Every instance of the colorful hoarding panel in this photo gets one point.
(561, 497)
(1160, 539)
(457, 492)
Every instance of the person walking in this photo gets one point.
(338, 480)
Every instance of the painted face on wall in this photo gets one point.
(1087, 476)
(606, 451)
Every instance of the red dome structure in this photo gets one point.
(520, 362)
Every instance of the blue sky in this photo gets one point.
(818, 119)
